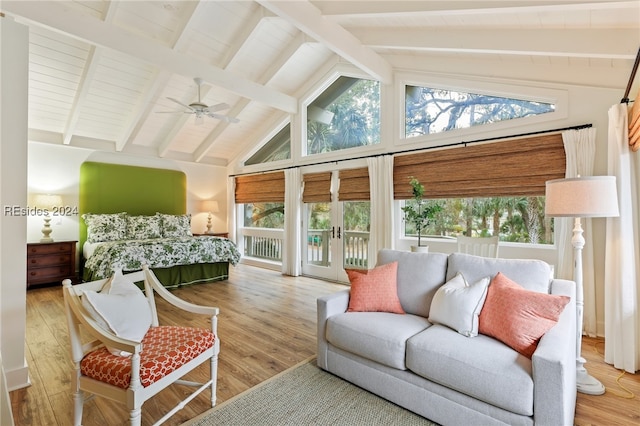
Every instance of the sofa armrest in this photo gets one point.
(328, 306)
(554, 365)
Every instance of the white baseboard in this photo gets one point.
(17, 378)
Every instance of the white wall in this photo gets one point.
(56, 169)
(14, 74)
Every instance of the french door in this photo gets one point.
(336, 236)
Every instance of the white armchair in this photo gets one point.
(163, 356)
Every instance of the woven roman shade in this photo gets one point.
(354, 185)
(518, 167)
(317, 187)
(261, 188)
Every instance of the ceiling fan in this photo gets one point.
(201, 110)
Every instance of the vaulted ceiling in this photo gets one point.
(102, 72)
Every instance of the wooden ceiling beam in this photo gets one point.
(609, 43)
(418, 8)
(97, 32)
(308, 19)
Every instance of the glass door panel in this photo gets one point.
(336, 237)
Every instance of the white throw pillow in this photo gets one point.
(457, 304)
(122, 306)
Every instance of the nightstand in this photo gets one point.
(215, 234)
(51, 262)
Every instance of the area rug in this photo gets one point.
(305, 395)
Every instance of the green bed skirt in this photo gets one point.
(182, 275)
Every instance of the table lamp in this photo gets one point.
(47, 202)
(592, 196)
(210, 206)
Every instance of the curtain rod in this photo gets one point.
(464, 143)
(625, 99)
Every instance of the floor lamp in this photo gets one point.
(592, 196)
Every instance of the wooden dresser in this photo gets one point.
(51, 262)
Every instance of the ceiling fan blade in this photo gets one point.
(180, 103)
(218, 107)
(172, 112)
(224, 118)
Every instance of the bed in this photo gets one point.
(135, 215)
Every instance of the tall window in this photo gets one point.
(264, 215)
(262, 198)
(487, 189)
(513, 219)
(346, 115)
(433, 110)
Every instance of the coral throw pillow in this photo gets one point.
(375, 290)
(518, 317)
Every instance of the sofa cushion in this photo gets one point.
(529, 273)
(482, 367)
(374, 290)
(519, 317)
(419, 276)
(457, 304)
(378, 336)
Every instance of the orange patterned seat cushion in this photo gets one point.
(164, 350)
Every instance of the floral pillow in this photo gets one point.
(173, 225)
(143, 227)
(105, 227)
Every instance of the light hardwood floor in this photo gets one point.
(267, 324)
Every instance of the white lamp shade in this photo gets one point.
(589, 196)
(210, 206)
(47, 201)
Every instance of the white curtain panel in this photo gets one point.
(580, 149)
(381, 190)
(292, 218)
(622, 265)
(231, 208)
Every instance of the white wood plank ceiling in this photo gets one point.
(101, 71)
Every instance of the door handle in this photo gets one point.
(338, 232)
(333, 232)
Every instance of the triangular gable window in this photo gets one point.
(346, 115)
(434, 110)
(277, 148)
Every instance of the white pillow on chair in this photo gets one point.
(120, 307)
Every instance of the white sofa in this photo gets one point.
(440, 374)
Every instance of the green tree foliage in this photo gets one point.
(264, 215)
(513, 219)
(419, 212)
(356, 120)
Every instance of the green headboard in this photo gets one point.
(115, 188)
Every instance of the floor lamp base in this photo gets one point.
(588, 384)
